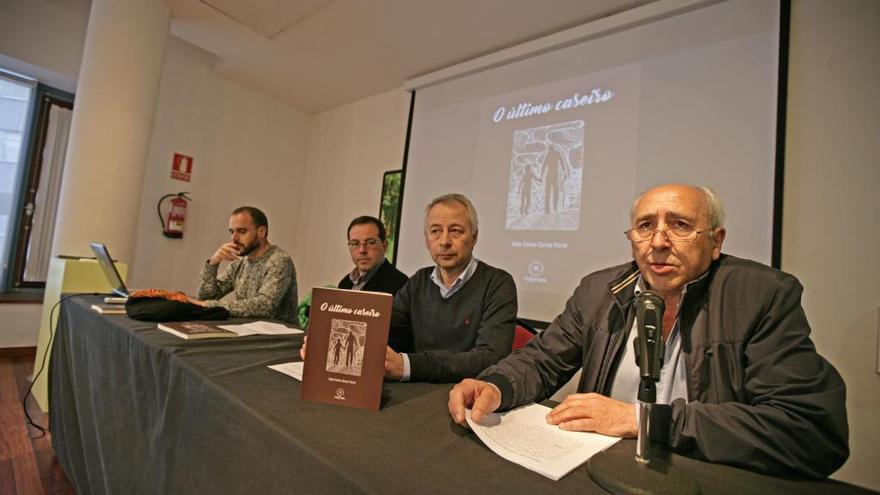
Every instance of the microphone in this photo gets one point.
(649, 343)
(649, 356)
(613, 469)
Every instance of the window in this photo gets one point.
(34, 126)
(15, 104)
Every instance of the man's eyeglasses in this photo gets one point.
(677, 234)
(368, 243)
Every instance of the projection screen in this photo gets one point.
(553, 146)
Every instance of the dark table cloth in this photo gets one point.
(138, 410)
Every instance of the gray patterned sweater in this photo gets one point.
(263, 288)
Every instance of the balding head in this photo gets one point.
(667, 265)
(713, 206)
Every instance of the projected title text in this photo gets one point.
(528, 109)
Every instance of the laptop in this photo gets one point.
(106, 262)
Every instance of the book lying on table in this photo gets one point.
(345, 356)
(109, 309)
(195, 330)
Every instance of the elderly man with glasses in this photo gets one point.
(741, 382)
(372, 272)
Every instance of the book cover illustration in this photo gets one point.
(345, 352)
(345, 358)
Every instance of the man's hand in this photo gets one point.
(302, 350)
(594, 412)
(393, 365)
(226, 252)
(481, 397)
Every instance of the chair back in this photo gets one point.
(522, 334)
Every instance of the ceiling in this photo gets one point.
(318, 54)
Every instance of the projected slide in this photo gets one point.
(553, 148)
(546, 157)
(546, 166)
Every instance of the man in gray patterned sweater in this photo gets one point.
(261, 275)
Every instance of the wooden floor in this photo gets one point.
(27, 462)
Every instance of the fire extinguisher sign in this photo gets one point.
(181, 167)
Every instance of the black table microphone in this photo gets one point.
(649, 356)
(615, 469)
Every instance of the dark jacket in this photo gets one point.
(759, 396)
(386, 279)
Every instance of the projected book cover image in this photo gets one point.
(546, 171)
(345, 357)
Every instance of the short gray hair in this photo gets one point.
(455, 198)
(716, 209)
(713, 203)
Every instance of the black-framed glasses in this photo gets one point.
(368, 243)
(677, 234)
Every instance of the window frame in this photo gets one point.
(13, 286)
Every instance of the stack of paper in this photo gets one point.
(261, 327)
(523, 436)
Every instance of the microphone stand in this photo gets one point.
(615, 469)
(647, 398)
(649, 350)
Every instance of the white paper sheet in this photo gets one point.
(523, 436)
(294, 369)
(261, 327)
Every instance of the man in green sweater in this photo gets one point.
(454, 319)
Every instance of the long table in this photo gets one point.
(138, 410)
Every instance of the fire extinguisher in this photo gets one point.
(176, 216)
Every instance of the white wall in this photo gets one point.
(20, 324)
(24, 48)
(831, 237)
(349, 149)
(247, 149)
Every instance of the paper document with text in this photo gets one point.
(523, 436)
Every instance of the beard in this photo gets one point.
(247, 249)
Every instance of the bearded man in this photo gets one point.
(261, 275)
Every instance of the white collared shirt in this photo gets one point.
(466, 274)
(673, 375)
(359, 280)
